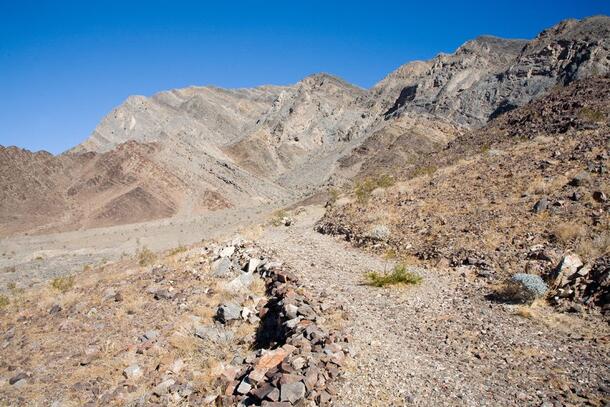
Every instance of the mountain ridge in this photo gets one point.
(272, 144)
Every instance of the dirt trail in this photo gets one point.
(442, 342)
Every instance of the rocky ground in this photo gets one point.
(516, 196)
(190, 328)
(444, 342)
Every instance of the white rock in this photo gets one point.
(133, 372)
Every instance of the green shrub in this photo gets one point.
(3, 301)
(399, 275)
(63, 284)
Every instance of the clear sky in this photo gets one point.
(64, 65)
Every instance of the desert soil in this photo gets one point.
(33, 260)
(443, 342)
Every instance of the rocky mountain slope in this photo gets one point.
(517, 194)
(192, 150)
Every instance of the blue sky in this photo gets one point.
(64, 65)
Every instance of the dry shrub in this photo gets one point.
(567, 231)
(427, 170)
(598, 246)
(63, 284)
(364, 188)
(3, 301)
(592, 115)
(146, 257)
(278, 217)
(177, 250)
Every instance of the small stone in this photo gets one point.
(163, 387)
(240, 283)
(276, 404)
(262, 392)
(323, 398)
(253, 265)
(541, 205)
(133, 372)
(292, 323)
(228, 312)
(292, 392)
(569, 265)
(18, 377)
(271, 359)
(580, 179)
(177, 366)
(291, 311)
(599, 196)
(298, 363)
(274, 395)
(55, 309)
(221, 267)
(244, 387)
(150, 335)
(163, 294)
(227, 251)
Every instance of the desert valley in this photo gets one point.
(441, 238)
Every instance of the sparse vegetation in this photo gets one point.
(597, 246)
(3, 301)
(566, 232)
(278, 216)
(399, 275)
(333, 195)
(427, 170)
(592, 115)
(146, 257)
(63, 284)
(39, 258)
(177, 250)
(364, 188)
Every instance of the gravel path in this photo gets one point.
(442, 342)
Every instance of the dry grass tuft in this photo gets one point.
(598, 246)
(177, 250)
(566, 232)
(146, 257)
(63, 284)
(428, 170)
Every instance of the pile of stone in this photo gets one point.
(296, 360)
(576, 283)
